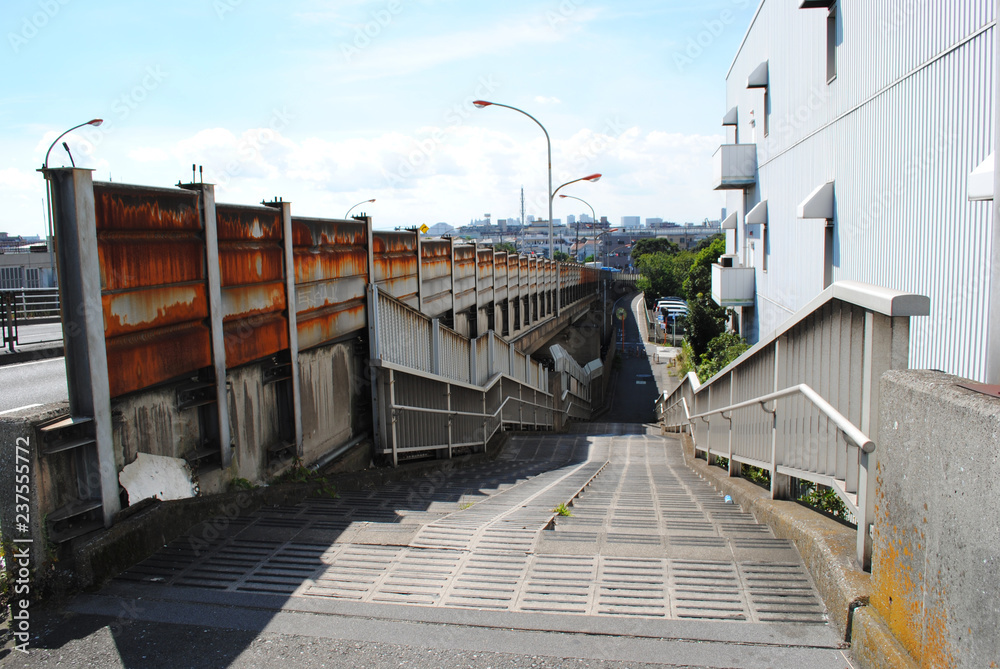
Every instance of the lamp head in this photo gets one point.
(479, 104)
(96, 122)
(592, 178)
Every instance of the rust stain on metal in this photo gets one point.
(394, 256)
(122, 207)
(235, 223)
(244, 301)
(330, 324)
(149, 259)
(254, 337)
(135, 311)
(243, 263)
(143, 359)
(327, 262)
(389, 267)
(309, 232)
(394, 242)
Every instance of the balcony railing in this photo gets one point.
(735, 166)
(733, 286)
(804, 402)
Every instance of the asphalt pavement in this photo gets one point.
(25, 385)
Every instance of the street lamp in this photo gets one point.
(48, 188)
(593, 217)
(479, 104)
(591, 178)
(357, 205)
(94, 122)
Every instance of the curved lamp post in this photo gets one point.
(483, 103)
(94, 122)
(48, 187)
(357, 205)
(593, 218)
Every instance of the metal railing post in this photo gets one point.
(436, 346)
(781, 484)
(392, 417)
(735, 468)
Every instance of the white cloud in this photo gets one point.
(430, 174)
(542, 100)
(375, 55)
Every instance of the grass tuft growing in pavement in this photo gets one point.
(562, 510)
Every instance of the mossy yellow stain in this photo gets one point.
(911, 605)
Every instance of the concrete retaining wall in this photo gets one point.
(936, 557)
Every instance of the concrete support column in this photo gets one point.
(886, 346)
(293, 328)
(558, 296)
(75, 225)
(213, 278)
(420, 272)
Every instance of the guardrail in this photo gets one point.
(35, 302)
(435, 390)
(575, 382)
(803, 403)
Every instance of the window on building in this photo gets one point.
(10, 278)
(831, 45)
(32, 277)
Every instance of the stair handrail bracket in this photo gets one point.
(819, 372)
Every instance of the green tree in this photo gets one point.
(663, 274)
(699, 278)
(561, 256)
(506, 247)
(589, 258)
(652, 245)
(705, 321)
(708, 241)
(720, 351)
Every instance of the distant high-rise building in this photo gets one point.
(653, 222)
(586, 218)
(631, 221)
(571, 220)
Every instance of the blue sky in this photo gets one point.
(329, 103)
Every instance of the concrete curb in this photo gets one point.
(873, 645)
(30, 355)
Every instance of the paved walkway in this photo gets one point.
(474, 567)
(651, 561)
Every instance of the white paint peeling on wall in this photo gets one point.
(157, 476)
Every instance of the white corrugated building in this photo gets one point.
(852, 131)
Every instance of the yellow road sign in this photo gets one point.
(424, 228)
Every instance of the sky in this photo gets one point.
(327, 104)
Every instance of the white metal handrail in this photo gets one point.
(824, 364)
(853, 434)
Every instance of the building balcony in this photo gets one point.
(734, 166)
(733, 286)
